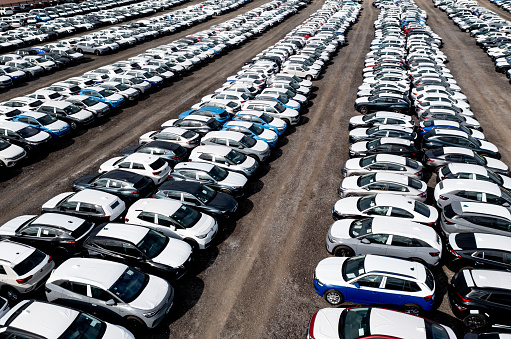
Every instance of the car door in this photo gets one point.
(372, 244)
(167, 226)
(396, 291)
(74, 295)
(401, 247)
(98, 298)
(364, 290)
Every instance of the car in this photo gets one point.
(481, 250)
(219, 114)
(195, 123)
(480, 297)
(383, 183)
(68, 112)
(181, 136)
(58, 234)
(171, 152)
(381, 131)
(383, 102)
(386, 145)
(449, 115)
(26, 136)
(39, 319)
(302, 71)
(129, 93)
(382, 163)
(175, 220)
(257, 149)
(127, 185)
(445, 155)
(141, 247)
(381, 118)
(10, 155)
(252, 130)
(97, 108)
(427, 125)
(112, 291)
(468, 216)
(401, 239)
(91, 47)
(439, 137)
(101, 94)
(151, 166)
(24, 269)
(88, 204)
(373, 322)
(373, 279)
(472, 172)
(275, 109)
(263, 120)
(388, 205)
(225, 157)
(44, 122)
(132, 81)
(448, 191)
(211, 175)
(198, 196)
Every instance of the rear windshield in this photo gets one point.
(449, 212)
(29, 263)
(412, 163)
(28, 132)
(367, 160)
(414, 183)
(159, 163)
(465, 241)
(129, 285)
(422, 209)
(189, 134)
(445, 171)
(218, 173)
(142, 182)
(435, 331)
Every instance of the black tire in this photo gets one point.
(193, 243)
(11, 294)
(308, 77)
(96, 52)
(255, 158)
(287, 122)
(475, 321)
(73, 125)
(333, 297)
(79, 50)
(135, 325)
(343, 251)
(363, 109)
(413, 309)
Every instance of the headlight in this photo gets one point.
(202, 236)
(331, 239)
(150, 314)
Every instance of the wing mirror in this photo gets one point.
(365, 241)
(111, 302)
(357, 285)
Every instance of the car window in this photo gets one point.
(377, 238)
(394, 284)
(78, 288)
(378, 210)
(400, 213)
(397, 188)
(30, 231)
(124, 165)
(48, 233)
(164, 220)
(370, 281)
(146, 216)
(378, 186)
(137, 166)
(205, 156)
(100, 294)
(88, 208)
(398, 240)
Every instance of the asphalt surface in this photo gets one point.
(257, 280)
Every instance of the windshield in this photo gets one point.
(435, 331)
(186, 216)
(46, 120)
(257, 130)
(205, 194)
(88, 101)
(216, 173)
(368, 117)
(266, 118)
(248, 141)
(27, 132)
(4, 144)
(367, 160)
(373, 144)
(353, 267)
(422, 209)
(137, 80)
(84, 326)
(72, 109)
(29, 263)
(152, 244)
(280, 108)
(10, 69)
(36, 103)
(106, 92)
(121, 87)
(189, 134)
(129, 286)
(355, 323)
(366, 202)
(361, 227)
(366, 179)
(236, 157)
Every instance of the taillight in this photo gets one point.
(431, 223)
(428, 159)
(156, 173)
(126, 220)
(47, 290)
(434, 254)
(428, 297)
(453, 252)
(423, 194)
(107, 217)
(135, 192)
(311, 326)
(464, 299)
(23, 281)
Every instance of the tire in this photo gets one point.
(255, 158)
(363, 109)
(72, 124)
(96, 52)
(11, 294)
(308, 77)
(413, 309)
(193, 243)
(343, 251)
(287, 122)
(135, 325)
(79, 50)
(397, 110)
(333, 297)
(475, 321)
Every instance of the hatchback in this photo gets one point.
(374, 279)
(195, 123)
(257, 149)
(439, 137)
(68, 112)
(21, 134)
(472, 172)
(394, 146)
(263, 120)
(181, 136)
(170, 152)
(225, 157)
(151, 166)
(381, 131)
(448, 191)
(109, 97)
(44, 122)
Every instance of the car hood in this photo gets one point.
(350, 182)
(82, 114)
(329, 270)
(234, 179)
(152, 295)
(119, 332)
(347, 205)
(56, 199)
(359, 146)
(57, 125)
(340, 229)
(261, 146)
(223, 201)
(115, 97)
(326, 324)
(41, 136)
(10, 227)
(174, 254)
(268, 134)
(11, 151)
(506, 181)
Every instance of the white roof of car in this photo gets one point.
(12, 125)
(163, 206)
(174, 130)
(457, 150)
(13, 252)
(63, 221)
(453, 132)
(94, 88)
(224, 134)
(484, 208)
(219, 150)
(126, 232)
(396, 324)
(375, 263)
(142, 157)
(467, 168)
(391, 158)
(392, 177)
(94, 197)
(390, 140)
(489, 241)
(491, 278)
(59, 104)
(404, 228)
(469, 185)
(27, 100)
(204, 166)
(102, 273)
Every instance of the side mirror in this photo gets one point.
(357, 285)
(506, 204)
(365, 241)
(111, 302)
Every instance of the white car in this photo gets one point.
(257, 149)
(38, 319)
(10, 154)
(447, 191)
(151, 166)
(46, 95)
(275, 109)
(472, 172)
(301, 71)
(382, 163)
(187, 139)
(225, 157)
(23, 268)
(388, 205)
(175, 220)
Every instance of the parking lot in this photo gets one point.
(257, 280)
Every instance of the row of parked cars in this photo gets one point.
(491, 32)
(504, 4)
(386, 238)
(39, 120)
(115, 244)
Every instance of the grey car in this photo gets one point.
(257, 149)
(91, 47)
(382, 163)
(401, 238)
(448, 191)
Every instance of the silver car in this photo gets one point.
(257, 149)
(138, 300)
(401, 238)
(383, 183)
(382, 163)
(448, 191)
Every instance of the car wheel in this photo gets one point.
(79, 50)
(413, 309)
(343, 251)
(363, 109)
(96, 52)
(72, 124)
(193, 243)
(397, 110)
(334, 297)
(11, 294)
(308, 77)
(135, 325)
(254, 157)
(475, 321)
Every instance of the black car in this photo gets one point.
(128, 186)
(198, 124)
(60, 60)
(440, 137)
(453, 117)
(171, 152)
(481, 298)
(199, 196)
(396, 146)
(381, 131)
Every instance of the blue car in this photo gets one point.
(283, 100)
(211, 46)
(263, 120)
(44, 122)
(252, 130)
(374, 279)
(219, 114)
(427, 125)
(104, 95)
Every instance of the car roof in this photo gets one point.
(58, 104)
(391, 158)
(216, 149)
(467, 168)
(470, 185)
(143, 157)
(32, 114)
(12, 125)
(392, 177)
(403, 325)
(404, 228)
(225, 134)
(490, 278)
(102, 273)
(204, 166)
(13, 252)
(93, 88)
(59, 220)
(411, 269)
(482, 208)
(94, 197)
(162, 144)
(384, 199)
(197, 117)
(131, 233)
(174, 130)
(450, 132)
(457, 150)
(390, 140)
(182, 186)
(163, 206)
